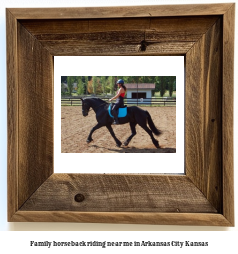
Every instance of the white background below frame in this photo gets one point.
(119, 162)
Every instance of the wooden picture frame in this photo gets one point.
(204, 34)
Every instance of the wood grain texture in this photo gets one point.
(119, 36)
(76, 49)
(49, 29)
(227, 113)
(204, 114)
(12, 116)
(117, 193)
(191, 219)
(121, 12)
(35, 100)
(204, 196)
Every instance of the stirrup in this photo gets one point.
(115, 122)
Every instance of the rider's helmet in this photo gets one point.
(120, 81)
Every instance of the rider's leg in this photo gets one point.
(114, 113)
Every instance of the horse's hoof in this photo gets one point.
(126, 143)
(119, 144)
(157, 145)
(89, 140)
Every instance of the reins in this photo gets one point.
(97, 106)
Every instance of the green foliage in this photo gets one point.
(172, 80)
(70, 81)
(85, 85)
(80, 86)
(157, 87)
(107, 84)
(162, 86)
(103, 81)
(94, 84)
(111, 82)
(174, 84)
(62, 89)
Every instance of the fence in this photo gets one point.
(162, 101)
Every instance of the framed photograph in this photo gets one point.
(140, 154)
(202, 195)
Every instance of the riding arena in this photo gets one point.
(75, 129)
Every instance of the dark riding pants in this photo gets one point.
(119, 103)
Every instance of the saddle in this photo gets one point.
(121, 112)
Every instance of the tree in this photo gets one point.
(156, 80)
(80, 86)
(111, 82)
(63, 79)
(133, 79)
(147, 79)
(174, 84)
(62, 89)
(99, 89)
(171, 85)
(103, 80)
(85, 84)
(94, 84)
(70, 81)
(162, 86)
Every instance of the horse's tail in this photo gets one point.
(152, 125)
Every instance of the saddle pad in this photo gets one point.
(122, 112)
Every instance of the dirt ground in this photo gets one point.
(75, 129)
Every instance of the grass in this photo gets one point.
(157, 94)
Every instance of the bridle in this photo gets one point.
(85, 103)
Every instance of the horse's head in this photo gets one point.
(85, 107)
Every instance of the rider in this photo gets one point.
(119, 99)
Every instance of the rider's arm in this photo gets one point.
(116, 96)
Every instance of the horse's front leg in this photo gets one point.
(118, 142)
(89, 139)
(133, 133)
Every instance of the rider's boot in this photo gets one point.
(114, 113)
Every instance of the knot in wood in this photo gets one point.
(143, 45)
(79, 198)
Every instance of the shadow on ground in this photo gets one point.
(132, 149)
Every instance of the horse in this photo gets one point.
(135, 115)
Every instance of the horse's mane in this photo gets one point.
(95, 99)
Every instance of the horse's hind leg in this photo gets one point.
(133, 133)
(118, 142)
(155, 142)
(89, 139)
